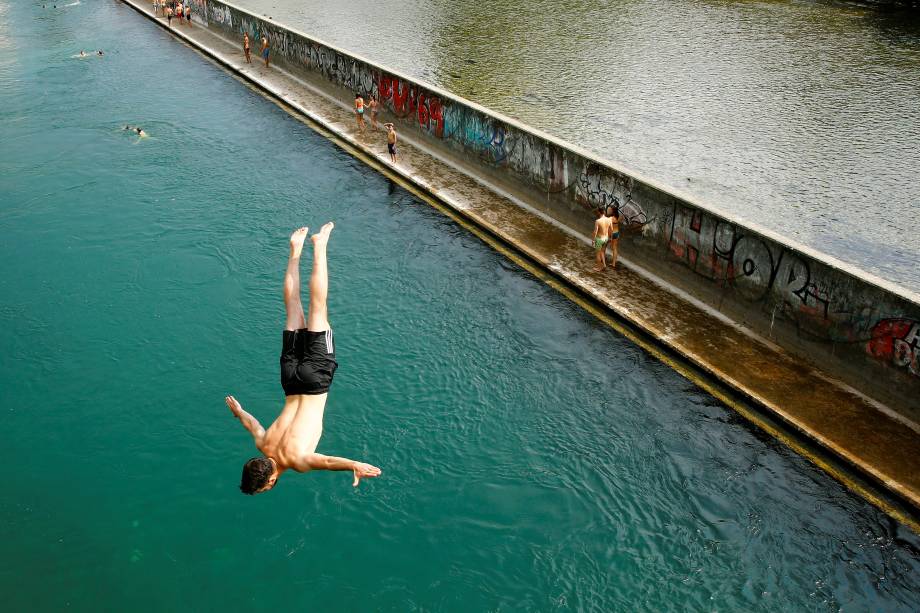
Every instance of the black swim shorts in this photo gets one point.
(391, 147)
(307, 362)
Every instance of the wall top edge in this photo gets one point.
(824, 258)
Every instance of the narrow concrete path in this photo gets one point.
(881, 446)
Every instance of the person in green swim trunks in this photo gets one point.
(602, 229)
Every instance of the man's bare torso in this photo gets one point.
(296, 432)
(604, 226)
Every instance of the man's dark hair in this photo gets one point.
(256, 473)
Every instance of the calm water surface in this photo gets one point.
(533, 460)
(800, 115)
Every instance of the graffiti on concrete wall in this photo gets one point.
(478, 133)
(758, 270)
(501, 145)
(412, 102)
(220, 14)
(897, 341)
(598, 186)
(820, 303)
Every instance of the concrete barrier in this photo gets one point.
(847, 322)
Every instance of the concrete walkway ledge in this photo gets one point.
(859, 441)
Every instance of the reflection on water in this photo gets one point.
(800, 116)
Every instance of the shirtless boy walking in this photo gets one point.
(307, 367)
(601, 235)
(246, 50)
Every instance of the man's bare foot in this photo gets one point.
(297, 239)
(322, 237)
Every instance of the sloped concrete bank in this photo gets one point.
(831, 353)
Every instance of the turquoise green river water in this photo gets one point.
(533, 459)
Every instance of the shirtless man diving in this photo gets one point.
(307, 367)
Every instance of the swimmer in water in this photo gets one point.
(307, 368)
(137, 130)
(82, 53)
(100, 52)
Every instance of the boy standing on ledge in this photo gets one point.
(391, 141)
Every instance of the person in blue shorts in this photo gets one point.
(265, 50)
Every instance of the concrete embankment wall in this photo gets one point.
(850, 324)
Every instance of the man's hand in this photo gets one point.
(364, 471)
(249, 422)
(235, 407)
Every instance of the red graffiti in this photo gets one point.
(436, 115)
(407, 100)
(402, 101)
(385, 87)
(422, 110)
(897, 341)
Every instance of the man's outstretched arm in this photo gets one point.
(249, 422)
(318, 461)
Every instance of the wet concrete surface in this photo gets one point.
(852, 428)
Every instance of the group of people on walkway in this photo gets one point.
(373, 108)
(609, 218)
(247, 49)
(173, 9)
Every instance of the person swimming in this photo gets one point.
(137, 130)
(100, 52)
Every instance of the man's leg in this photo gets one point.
(292, 305)
(317, 317)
